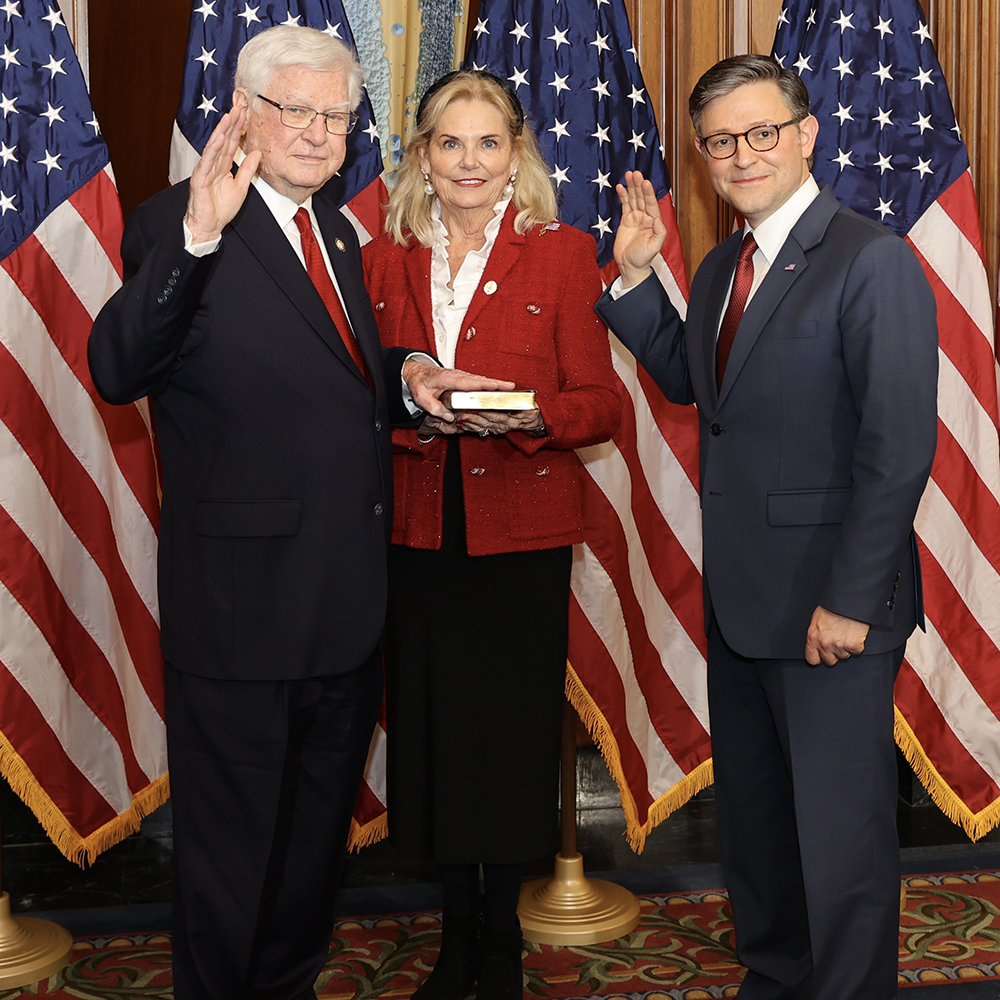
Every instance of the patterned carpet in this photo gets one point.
(682, 950)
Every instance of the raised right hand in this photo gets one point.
(215, 195)
(641, 232)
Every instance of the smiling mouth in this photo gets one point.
(470, 182)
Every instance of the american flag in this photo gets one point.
(890, 147)
(219, 29)
(637, 644)
(81, 701)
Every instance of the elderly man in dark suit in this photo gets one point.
(244, 316)
(810, 348)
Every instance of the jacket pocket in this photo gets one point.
(791, 507)
(247, 518)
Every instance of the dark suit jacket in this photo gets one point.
(816, 451)
(277, 491)
(536, 327)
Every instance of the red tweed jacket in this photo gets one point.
(536, 326)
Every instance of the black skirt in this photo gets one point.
(475, 669)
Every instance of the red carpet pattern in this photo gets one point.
(682, 950)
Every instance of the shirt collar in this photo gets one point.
(773, 231)
(492, 227)
(281, 206)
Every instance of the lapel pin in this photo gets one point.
(790, 267)
(339, 243)
(379, 306)
(490, 287)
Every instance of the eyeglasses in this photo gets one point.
(337, 122)
(760, 138)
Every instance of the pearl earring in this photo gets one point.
(509, 189)
(428, 187)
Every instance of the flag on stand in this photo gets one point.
(637, 644)
(219, 29)
(82, 739)
(890, 147)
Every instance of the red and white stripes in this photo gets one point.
(637, 644)
(80, 669)
(948, 693)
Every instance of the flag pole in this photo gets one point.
(570, 908)
(30, 949)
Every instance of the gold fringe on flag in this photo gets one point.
(371, 833)
(81, 850)
(671, 800)
(976, 825)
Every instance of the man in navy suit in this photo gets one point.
(810, 348)
(244, 316)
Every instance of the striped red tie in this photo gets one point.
(320, 277)
(742, 283)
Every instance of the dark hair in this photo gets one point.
(479, 74)
(726, 76)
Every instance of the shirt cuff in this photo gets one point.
(618, 289)
(199, 249)
(407, 395)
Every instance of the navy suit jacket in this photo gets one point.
(276, 456)
(817, 448)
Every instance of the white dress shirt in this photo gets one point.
(449, 304)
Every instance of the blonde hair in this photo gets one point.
(410, 206)
(287, 45)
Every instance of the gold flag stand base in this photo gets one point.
(30, 949)
(570, 908)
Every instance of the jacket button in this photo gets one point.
(716, 430)
(542, 472)
(161, 299)
(176, 272)
(378, 509)
(470, 333)
(378, 425)
(477, 471)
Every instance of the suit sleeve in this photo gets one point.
(587, 407)
(889, 334)
(139, 334)
(647, 323)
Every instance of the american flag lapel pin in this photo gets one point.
(790, 267)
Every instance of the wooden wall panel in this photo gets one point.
(136, 63)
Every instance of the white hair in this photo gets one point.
(287, 45)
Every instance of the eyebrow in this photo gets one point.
(448, 135)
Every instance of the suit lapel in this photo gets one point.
(505, 252)
(347, 268)
(717, 289)
(257, 227)
(787, 268)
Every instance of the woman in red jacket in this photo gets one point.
(475, 270)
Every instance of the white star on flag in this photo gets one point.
(51, 162)
(52, 114)
(249, 14)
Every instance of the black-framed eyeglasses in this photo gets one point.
(760, 138)
(337, 122)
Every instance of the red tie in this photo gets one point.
(320, 277)
(742, 283)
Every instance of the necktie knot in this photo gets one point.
(747, 248)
